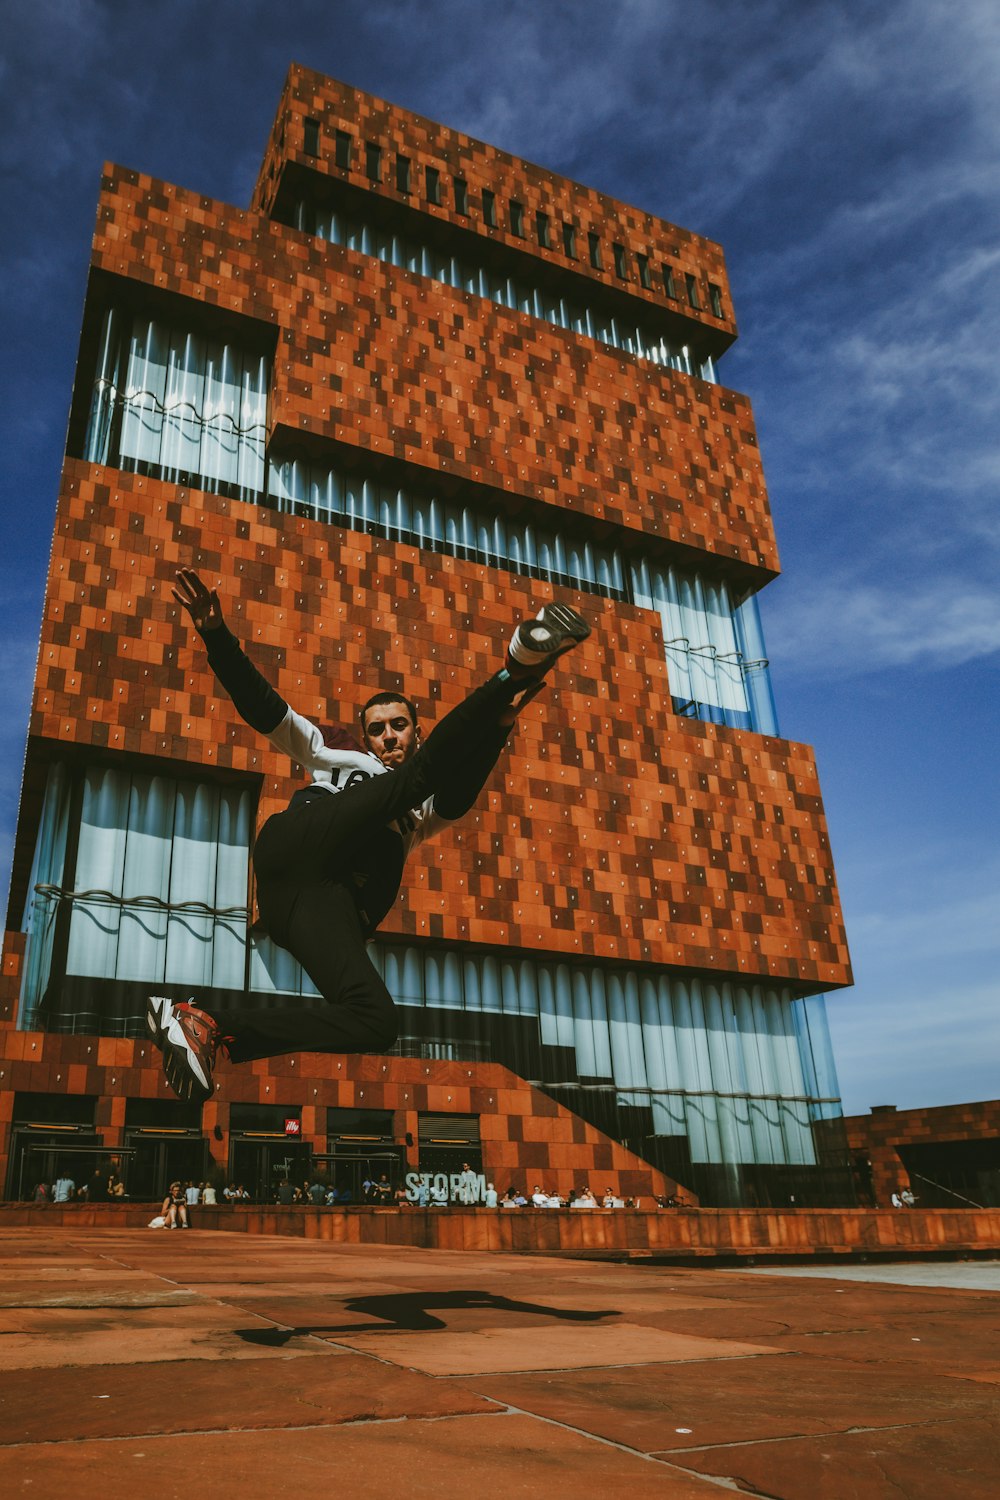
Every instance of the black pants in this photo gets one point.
(306, 859)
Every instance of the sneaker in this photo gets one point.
(537, 643)
(191, 1040)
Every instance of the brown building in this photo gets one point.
(415, 390)
(947, 1156)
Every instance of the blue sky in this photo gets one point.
(845, 155)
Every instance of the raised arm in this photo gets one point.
(253, 696)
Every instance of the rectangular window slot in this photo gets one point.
(594, 243)
(517, 218)
(669, 284)
(542, 229)
(461, 195)
(402, 174)
(621, 266)
(692, 292)
(342, 150)
(569, 241)
(433, 179)
(489, 209)
(373, 161)
(310, 144)
(645, 280)
(715, 298)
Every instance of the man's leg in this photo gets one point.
(322, 930)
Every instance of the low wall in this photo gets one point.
(683, 1234)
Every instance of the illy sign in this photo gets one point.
(293, 1127)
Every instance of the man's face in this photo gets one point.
(390, 733)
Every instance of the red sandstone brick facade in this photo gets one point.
(376, 358)
(628, 833)
(363, 118)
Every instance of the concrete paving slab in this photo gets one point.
(189, 1396)
(667, 1408)
(939, 1461)
(966, 1342)
(506, 1455)
(561, 1348)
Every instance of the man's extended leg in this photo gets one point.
(321, 926)
(323, 931)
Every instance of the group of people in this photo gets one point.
(577, 1198)
(321, 1194)
(101, 1187)
(903, 1198)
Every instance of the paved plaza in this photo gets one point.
(167, 1363)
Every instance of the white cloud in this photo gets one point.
(959, 927)
(845, 628)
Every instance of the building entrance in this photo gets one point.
(348, 1168)
(261, 1162)
(158, 1158)
(36, 1158)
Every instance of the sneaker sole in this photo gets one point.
(565, 626)
(182, 1050)
(179, 1071)
(155, 1021)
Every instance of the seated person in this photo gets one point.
(175, 1209)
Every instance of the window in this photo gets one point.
(517, 218)
(461, 195)
(402, 174)
(594, 243)
(645, 280)
(621, 265)
(692, 291)
(342, 150)
(715, 298)
(373, 161)
(433, 180)
(310, 144)
(569, 241)
(179, 405)
(542, 229)
(144, 881)
(489, 209)
(522, 293)
(669, 285)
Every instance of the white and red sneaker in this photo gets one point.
(536, 644)
(189, 1039)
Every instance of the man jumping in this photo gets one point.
(329, 867)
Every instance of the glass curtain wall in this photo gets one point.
(178, 405)
(726, 1077)
(137, 878)
(519, 294)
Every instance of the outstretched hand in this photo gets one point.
(201, 603)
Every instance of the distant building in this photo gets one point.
(948, 1156)
(418, 374)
